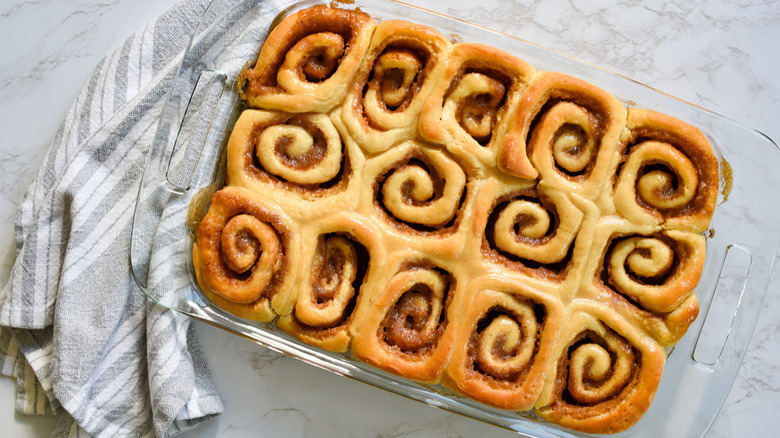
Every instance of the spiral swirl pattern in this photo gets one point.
(603, 376)
(572, 145)
(477, 99)
(414, 322)
(421, 188)
(671, 185)
(669, 175)
(594, 376)
(646, 274)
(246, 242)
(399, 72)
(656, 272)
(327, 302)
(406, 334)
(572, 130)
(240, 252)
(467, 111)
(301, 152)
(503, 345)
(334, 274)
(329, 292)
(392, 86)
(533, 228)
(309, 60)
(243, 253)
(506, 345)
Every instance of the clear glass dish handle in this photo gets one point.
(200, 101)
(734, 282)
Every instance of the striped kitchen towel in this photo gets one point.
(75, 330)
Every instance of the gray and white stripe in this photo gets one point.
(75, 329)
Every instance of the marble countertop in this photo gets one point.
(714, 53)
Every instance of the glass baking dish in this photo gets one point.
(186, 164)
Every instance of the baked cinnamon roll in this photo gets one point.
(606, 374)
(531, 230)
(332, 273)
(417, 188)
(308, 60)
(302, 155)
(245, 255)
(408, 328)
(467, 111)
(400, 69)
(569, 130)
(504, 343)
(647, 274)
(669, 175)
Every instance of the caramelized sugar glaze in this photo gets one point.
(448, 214)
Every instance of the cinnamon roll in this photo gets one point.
(308, 60)
(648, 274)
(669, 175)
(417, 188)
(302, 154)
(245, 255)
(332, 273)
(467, 110)
(531, 230)
(606, 374)
(408, 328)
(569, 130)
(504, 343)
(401, 68)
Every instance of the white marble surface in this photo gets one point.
(716, 53)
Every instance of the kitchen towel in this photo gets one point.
(76, 331)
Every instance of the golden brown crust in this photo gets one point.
(467, 109)
(503, 344)
(401, 68)
(567, 130)
(606, 375)
(408, 329)
(416, 188)
(308, 60)
(669, 174)
(294, 160)
(331, 278)
(245, 254)
(537, 232)
(648, 274)
(448, 214)
(533, 227)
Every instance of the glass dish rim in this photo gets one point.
(197, 309)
